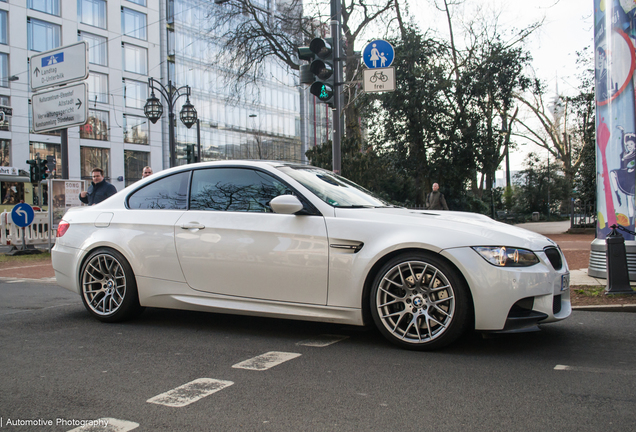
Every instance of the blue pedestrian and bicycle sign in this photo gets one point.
(378, 54)
(22, 215)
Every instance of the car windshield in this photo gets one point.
(331, 188)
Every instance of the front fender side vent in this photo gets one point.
(354, 247)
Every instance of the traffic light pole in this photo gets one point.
(338, 82)
(64, 139)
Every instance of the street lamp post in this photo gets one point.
(548, 185)
(258, 136)
(154, 109)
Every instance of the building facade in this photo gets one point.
(124, 49)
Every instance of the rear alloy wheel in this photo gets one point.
(418, 302)
(109, 289)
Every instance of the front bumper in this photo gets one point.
(509, 299)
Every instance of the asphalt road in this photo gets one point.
(185, 371)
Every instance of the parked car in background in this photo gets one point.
(294, 241)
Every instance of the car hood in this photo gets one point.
(451, 228)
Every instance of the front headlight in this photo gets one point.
(502, 256)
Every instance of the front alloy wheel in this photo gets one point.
(109, 290)
(418, 302)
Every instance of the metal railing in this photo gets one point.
(582, 214)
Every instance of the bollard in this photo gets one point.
(616, 264)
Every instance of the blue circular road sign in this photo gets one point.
(378, 54)
(22, 215)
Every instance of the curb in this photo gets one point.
(606, 308)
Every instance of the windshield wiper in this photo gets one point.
(357, 206)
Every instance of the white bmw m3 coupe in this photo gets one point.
(294, 241)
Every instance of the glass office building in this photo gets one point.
(260, 121)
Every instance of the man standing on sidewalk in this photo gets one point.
(435, 200)
(99, 189)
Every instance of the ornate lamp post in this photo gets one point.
(154, 109)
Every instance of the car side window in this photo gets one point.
(234, 189)
(168, 193)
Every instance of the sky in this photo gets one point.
(567, 28)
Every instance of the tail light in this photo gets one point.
(62, 227)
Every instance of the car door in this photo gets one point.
(148, 224)
(230, 242)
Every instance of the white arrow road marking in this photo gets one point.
(595, 370)
(190, 392)
(266, 361)
(322, 340)
(107, 425)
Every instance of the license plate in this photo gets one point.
(565, 281)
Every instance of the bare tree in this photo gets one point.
(566, 124)
(556, 132)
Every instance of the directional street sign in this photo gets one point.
(60, 108)
(378, 80)
(59, 66)
(22, 215)
(378, 54)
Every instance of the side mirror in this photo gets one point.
(286, 204)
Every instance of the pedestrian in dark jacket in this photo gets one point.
(99, 189)
(435, 200)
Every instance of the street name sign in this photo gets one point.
(378, 80)
(59, 66)
(60, 108)
(378, 54)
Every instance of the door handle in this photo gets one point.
(192, 225)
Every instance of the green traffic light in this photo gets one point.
(324, 94)
(322, 91)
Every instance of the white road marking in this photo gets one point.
(322, 340)
(107, 425)
(26, 267)
(266, 361)
(190, 392)
(41, 280)
(595, 370)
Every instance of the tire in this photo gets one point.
(109, 288)
(419, 302)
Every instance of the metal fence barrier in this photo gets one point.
(582, 214)
(37, 233)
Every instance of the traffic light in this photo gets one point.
(33, 174)
(323, 68)
(43, 169)
(320, 72)
(191, 155)
(306, 77)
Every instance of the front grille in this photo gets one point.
(554, 256)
